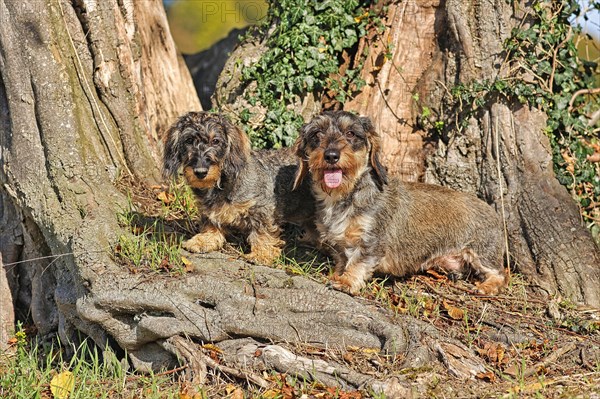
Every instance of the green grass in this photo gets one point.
(179, 201)
(150, 250)
(28, 368)
(155, 230)
(311, 266)
(27, 371)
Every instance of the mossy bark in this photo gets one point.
(7, 314)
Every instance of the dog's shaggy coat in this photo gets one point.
(237, 189)
(375, 224)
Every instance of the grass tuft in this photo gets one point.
(28, 369)
(156, 224)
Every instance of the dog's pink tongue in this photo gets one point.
(333, 178)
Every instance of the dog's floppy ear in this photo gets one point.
(171, 159)
(379, 171)
(239, 149)
(300, 151)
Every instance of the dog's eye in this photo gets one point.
(350, 134)
(215, 142)
(189, 141)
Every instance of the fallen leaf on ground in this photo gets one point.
(437, 275)
(535, 387)
(62, 385)
(212, 347)
(234, 392)
(453, 311)
(494, 352)
(271, 394)
(237, 394)
(187, 392)
(166, 197)
(489, 376)
(188, 266)
(512, 370)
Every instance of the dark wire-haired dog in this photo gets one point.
(392, 227)
(237, 189)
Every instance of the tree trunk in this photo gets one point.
(411, 36)
(7, 316)
(86, 89)
(502, 155)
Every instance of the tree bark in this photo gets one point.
(225, 299)
(411, 36)
(86, 89)
(502, 155)
(7, 314)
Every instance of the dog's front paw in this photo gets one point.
(205, 242)
(492, 285)
(263, 255)
(346, 283)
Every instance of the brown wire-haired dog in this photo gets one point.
(237, 189)
(375, 225)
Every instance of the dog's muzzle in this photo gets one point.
(202, 167)
(331, 156)
(200, 172)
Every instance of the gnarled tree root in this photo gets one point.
(225, 300)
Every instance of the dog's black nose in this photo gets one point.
(332, 156)
(201, 172)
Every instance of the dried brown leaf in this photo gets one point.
(212, 347)
(187, 264)
(595, 157)
(489, 376)
(453, 311)
(437, 275)
(570, 160)
(511, 370)
(166, 197)
(271, 394)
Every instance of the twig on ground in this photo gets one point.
(198, 361)
(244, 375)
(423, 279)
(186, 349)
(550, 359)
(498, 297)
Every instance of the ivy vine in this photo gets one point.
(303, 55)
